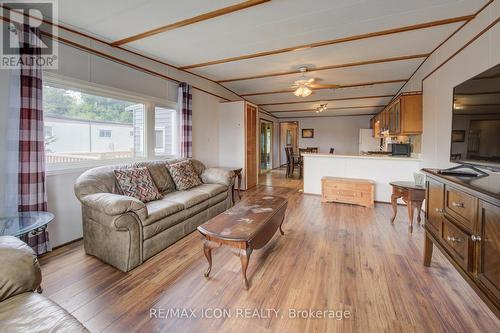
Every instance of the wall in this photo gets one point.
(341, 133)
(231, 118)
(478, 56)
(205, 128)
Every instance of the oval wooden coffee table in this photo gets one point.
(245, 227)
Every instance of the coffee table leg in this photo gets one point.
(281, 230)
(244, 258)
(208, 246)
(394, 202)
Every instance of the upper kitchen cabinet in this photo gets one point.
(403, 116)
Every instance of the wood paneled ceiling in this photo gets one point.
(256, 47)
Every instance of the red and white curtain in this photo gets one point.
(32, 195)
(185, 101)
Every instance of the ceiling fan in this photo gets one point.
(304, 86)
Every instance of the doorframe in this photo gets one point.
(296, 122)
(261, 120)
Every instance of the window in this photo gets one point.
(88, 128)
(49, 131)
(159, 140)
(104, 133)
(165, 132)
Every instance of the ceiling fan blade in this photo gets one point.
(324, 86)
(311, 80)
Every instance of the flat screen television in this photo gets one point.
(475, 135)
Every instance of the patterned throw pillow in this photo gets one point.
(137, 183)
(184, 175)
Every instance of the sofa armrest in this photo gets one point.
(20, 270)
(218, 176)
(115, 204)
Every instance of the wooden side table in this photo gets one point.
(413, 195)
(237, 172)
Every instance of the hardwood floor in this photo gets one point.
(332, 257)
(276, 177)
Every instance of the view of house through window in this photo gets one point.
(165, 132)
(81, 127)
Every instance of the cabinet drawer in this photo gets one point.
(461, 206)
(435, 206)
(458, 244)
(348, 186)
(345, 194)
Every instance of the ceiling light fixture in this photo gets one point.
(302, 85)
(302, 91)
(321, 108)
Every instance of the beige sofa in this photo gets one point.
(21, 308)
(124, 232)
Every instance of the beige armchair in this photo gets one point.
(22, 309)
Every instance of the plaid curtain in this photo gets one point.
(32, 189)
(186, 120)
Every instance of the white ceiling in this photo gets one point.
(275, 25)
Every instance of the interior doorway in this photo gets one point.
(266, 146)
(289, 136)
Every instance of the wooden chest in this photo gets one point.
(347, 190)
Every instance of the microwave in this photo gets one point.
(400, 149)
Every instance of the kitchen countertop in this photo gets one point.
(373, 157)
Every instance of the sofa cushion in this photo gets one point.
(161, 208)
(198, 166)
(218, 198)
(162, 224)
(137, 183)
(32, 312)
(160, 175)
(187, 198)
(170, 221)
(210, 189)
(184, 175)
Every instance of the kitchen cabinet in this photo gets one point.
(403, 116)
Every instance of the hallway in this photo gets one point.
(276, 177)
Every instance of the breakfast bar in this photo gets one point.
(380, 169)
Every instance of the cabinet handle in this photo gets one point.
(454, 239)
(439, 210)
(458, 204)
(475, 238)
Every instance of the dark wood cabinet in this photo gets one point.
(463, 221)
(488, 250)
(435, 211)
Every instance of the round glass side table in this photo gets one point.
(24, 222)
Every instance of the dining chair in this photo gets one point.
(300, 161)
(289, 161)
(332, 150)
